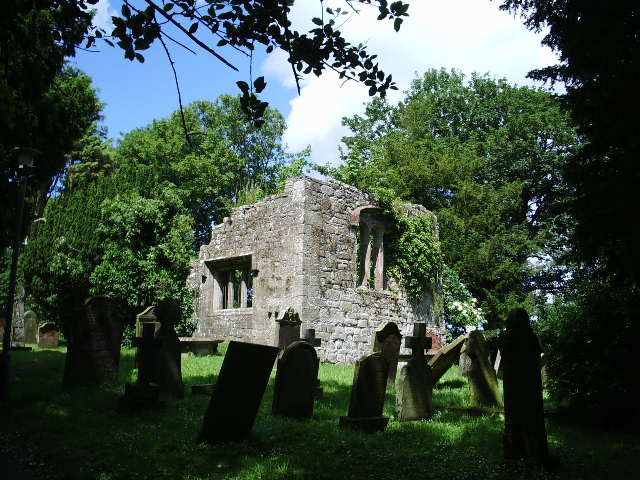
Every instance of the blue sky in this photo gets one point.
(469, 35)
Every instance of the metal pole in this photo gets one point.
(5, 360)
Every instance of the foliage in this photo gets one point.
(418, 258)
(246, 24)
(460, 307)
(590, 340)
(486, 157)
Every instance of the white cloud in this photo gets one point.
(104, 12)
(468, 35)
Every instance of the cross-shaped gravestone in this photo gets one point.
(415, 382)
(418, 342)
(310, 337)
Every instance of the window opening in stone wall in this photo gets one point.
(371, 262)
(232, 285)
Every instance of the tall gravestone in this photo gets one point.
(415, 383)
(93, 353)
(143, 395)
(446, 357)
(238, 392)
(167, 371)
(309, 336)
(367, 395)
(474, 364)
(525, 435)
(48, 336)
(288, 328)
(387, 340)
(30, 327)
(295, 384)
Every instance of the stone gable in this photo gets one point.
(317, 248)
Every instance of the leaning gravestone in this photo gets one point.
(143, 395)
(238, 392)
(446, 356)
(30, 327)
(415, 382)
(525, 435)
(388, 340)
(288, 328)
(168, 360)
(367, 395)
(48, 336)
(295, 383)
(474, 364)
(93, 354)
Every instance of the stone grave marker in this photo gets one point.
(415, 383)
(167, 371)
(525, 435)
(143, 395)
(446, 356)
(387, 340)
(93, 353)
(48, 336)
(288, 328)
(309, 336)
(3, 323)
(147, 315)
(497, 366)
(30, 327)
(236, 398)
(367, 395)
(474, 364)
(295, 383)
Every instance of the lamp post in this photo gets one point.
(25, 161)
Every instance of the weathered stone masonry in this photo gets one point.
(317, 248)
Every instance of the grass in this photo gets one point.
(77, 434)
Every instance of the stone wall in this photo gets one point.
(344, 315)
(304, 251)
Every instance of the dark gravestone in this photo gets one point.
(415, 382)
(236, 399)
(367, 395)
(48, 336)
(143, 395)
(525, 435)
(387, 341)
(93, 353)
(288, 328)
(30, 327)
(310, 337)
(167, 371)
(295, 383)
(147, 315)
(445, 357)
(474, 364)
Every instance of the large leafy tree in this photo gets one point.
(486, 157)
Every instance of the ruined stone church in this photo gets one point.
(318, 248)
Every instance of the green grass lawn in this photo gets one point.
(77, 434)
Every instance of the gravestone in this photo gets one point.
(497, 365)
(415, 383)
(525, 435)
(48, 336)
(143, 395)
(167, 371)
(367, 395)
(387, 340)
(236, 398)
(93, 353)
(3, 323)
(288, 328)
(474, 364)
(30, 327)
(147, 315)
(310, 337)
(295, 384)
(446, 356)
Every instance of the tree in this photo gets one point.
(486, 157)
